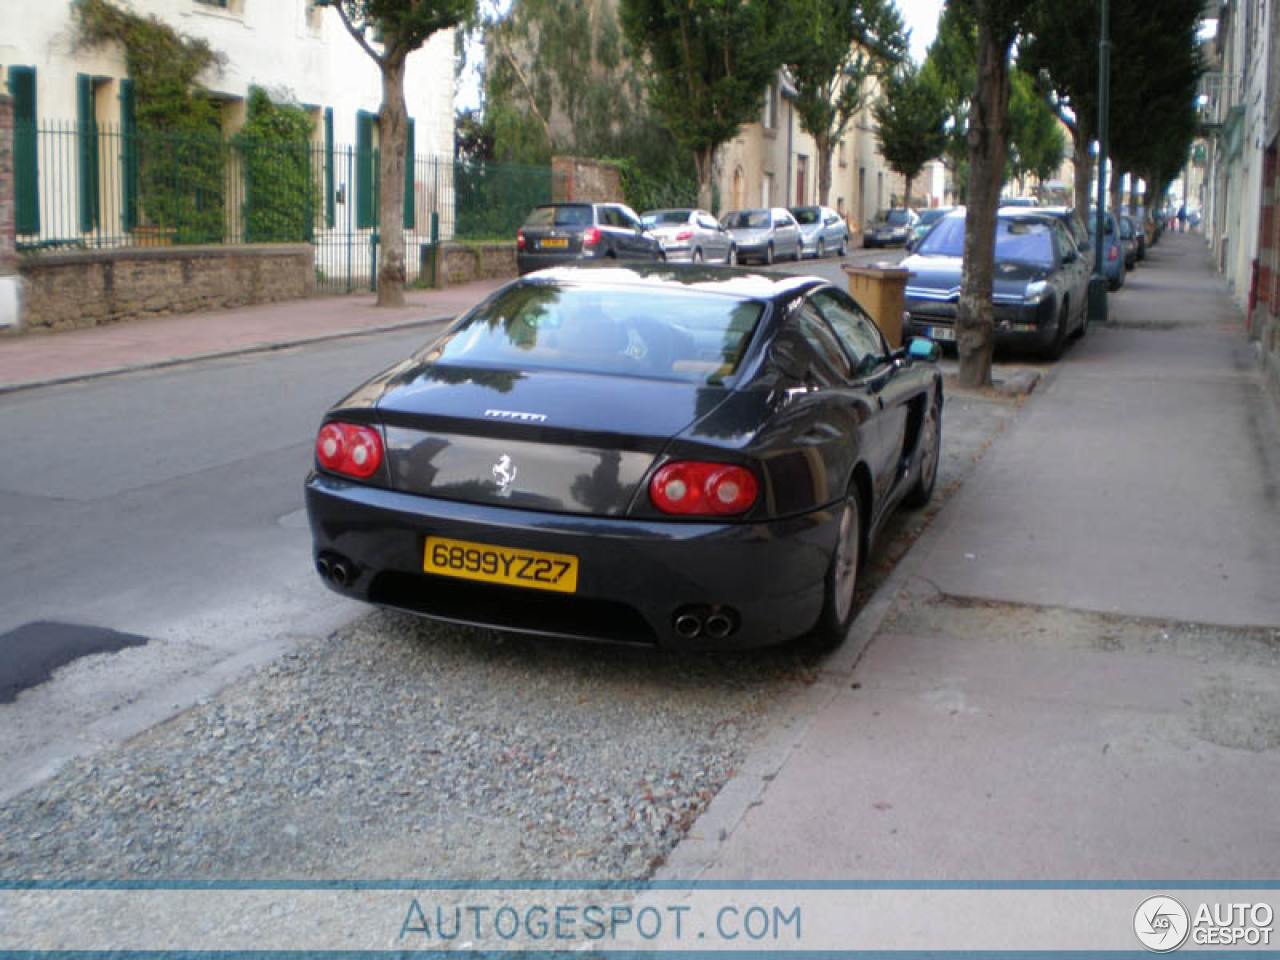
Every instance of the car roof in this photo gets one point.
(726, 281)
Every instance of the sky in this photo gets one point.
(921, 18)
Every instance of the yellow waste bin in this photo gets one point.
(881, 291)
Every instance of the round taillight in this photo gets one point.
(691, 488)
(349, 448)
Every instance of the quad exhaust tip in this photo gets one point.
(338, 570)
(714, 623)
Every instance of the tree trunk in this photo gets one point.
(1083, 176)
(906, 192)
(393, 125)
(824, 147)
(705, 161)
(988, 137)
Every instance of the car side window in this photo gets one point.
(832, 365)
(626, 219)
(857, 333)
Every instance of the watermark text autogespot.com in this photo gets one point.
(436, 924)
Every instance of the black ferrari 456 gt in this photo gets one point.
(665, 455)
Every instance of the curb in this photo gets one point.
(259, 347)
(696, 852)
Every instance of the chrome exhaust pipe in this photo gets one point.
(323, 567)
(719, 626)
(688, 626)
(342, 573)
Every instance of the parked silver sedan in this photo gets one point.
(690, 235)
(822, 231)
(765, 234)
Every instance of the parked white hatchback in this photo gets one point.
(765, 234)
(690, 235)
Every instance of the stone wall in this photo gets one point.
(10, 283)
(465, 262)
(63, 291)
(585, 181)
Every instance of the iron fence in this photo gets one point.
(100, 187)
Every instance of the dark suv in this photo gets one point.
(558, 233)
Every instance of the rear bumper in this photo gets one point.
(635, 576)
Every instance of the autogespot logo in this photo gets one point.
(1162, 924)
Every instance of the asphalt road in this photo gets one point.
(165, 506)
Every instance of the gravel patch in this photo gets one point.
(399, 747)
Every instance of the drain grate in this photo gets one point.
(30, 653)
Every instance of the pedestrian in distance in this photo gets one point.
(1182, 219)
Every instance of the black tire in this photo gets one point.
(822, 248)
(1054, 350)
(844, 246)
(929, 451)
(697, 255)
(768, 256)
(732, 259)
(1084, 324)
(841, 583)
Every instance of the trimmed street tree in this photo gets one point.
(911, 118)
(841, 44)
(710, 63)
(388, 31)
(998, 22)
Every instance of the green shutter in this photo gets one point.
(364, 170)
(26, 158)
(128, 156)
(330, 213)
(408, 178)
(87, 152)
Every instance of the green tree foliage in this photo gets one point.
(180, 155)
(388, 31)
(281, 195)
(560, 77)
(839, 46)
(1037, 144)
(709, 63)
(911, 117)
(950, 69)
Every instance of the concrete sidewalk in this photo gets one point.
(39, 359)
(1075, 673)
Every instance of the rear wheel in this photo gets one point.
(822, 248)
(697, 256)
(842, 575)
(844, 245)
(732, 258)
(768, 255)
(928, 449)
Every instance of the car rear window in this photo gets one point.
(659, 217)
(807, 215)
(896, 217)
(571, 215)
(665, 334)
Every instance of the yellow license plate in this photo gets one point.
(489, 564)
(557, 243)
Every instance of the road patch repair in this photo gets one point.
(33, 651)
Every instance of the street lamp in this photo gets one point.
(1098, 282)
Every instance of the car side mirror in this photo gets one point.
(922, 348)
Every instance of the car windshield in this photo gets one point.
(680, 335)
(807, 215)
(748, 220)
(897, 218)
(1024, 241)
(655, 218)
(570, 215)
(928, 216)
